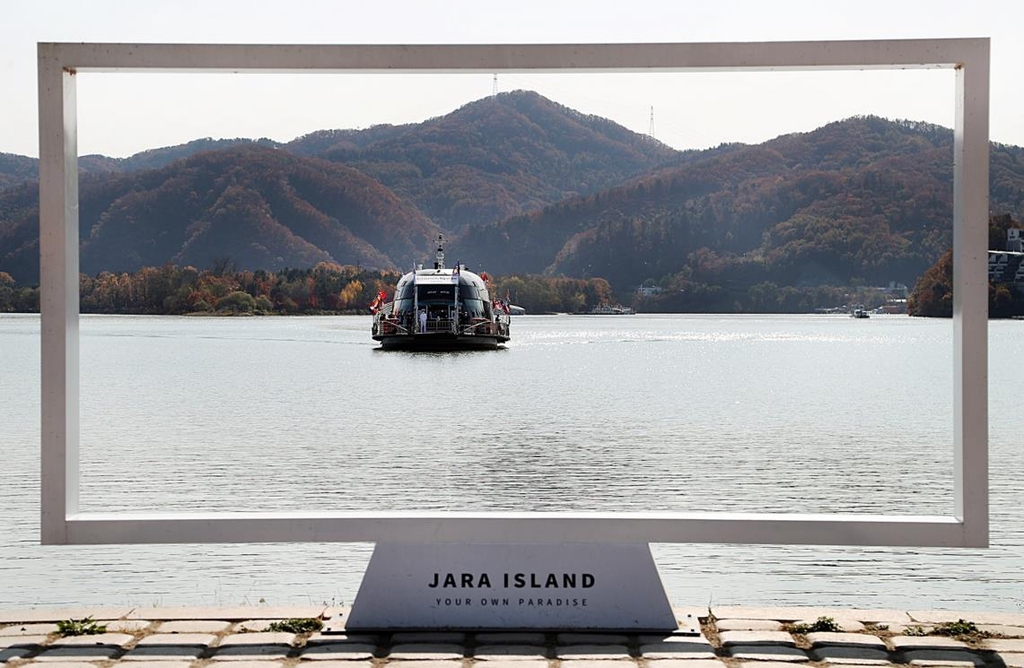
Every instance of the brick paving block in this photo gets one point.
(591, 639)
(692, 611)
(510, 652)
(65, 664)
(903, 643)
(428, 638)
(687, 663)
(422, 663)
(505, 663)
(592, 663)
(782, 614)
(756, 638)
(254, 663)
(677, 650)
(34, 629)
(767, 653)
(31, 615)
(898, 629)
(335, 623)
(943, 657)
(14, 653)
(238, 613)
(852, 655)
(688, 619)
(845, 624)
(945, 616)
(765, 664)
(335, 611)
(748, 625)
(1002, 630)
(425, 652)
(358, 639)
(592, 652)
(148, 664)
(338, 652)
(331, 663)
(1004, 644)
(9, 642)
(100, 639)
(653, 639)
(261, 625)
(878, 616)
(251, 652)
(194, 626)
(79, 653)
(177, 640)
(270, 638)
(852, 639)
(510, 639)
(1011, 660)
(125, 625)
(163, 653)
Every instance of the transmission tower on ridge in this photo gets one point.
(494, 89)
(650, 130)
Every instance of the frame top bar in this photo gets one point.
(663, 57)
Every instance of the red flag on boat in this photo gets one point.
(378, 302)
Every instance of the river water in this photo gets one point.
(583, 413)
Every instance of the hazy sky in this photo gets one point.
(120, 114)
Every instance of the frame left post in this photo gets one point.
(58, 249)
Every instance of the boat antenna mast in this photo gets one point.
(439, 259)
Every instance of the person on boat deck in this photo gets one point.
(423, 319)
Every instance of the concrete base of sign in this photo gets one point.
(512, 586)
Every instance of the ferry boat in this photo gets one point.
(443, 308)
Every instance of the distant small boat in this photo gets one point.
(859, 312)
(610, 309)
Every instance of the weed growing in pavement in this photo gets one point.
(80, 627)
(961, 629)
(822, 624)
(297, 625)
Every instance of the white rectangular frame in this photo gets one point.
(63, 523)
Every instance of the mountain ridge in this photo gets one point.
(526, 185)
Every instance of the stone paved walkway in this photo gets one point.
(732, 637)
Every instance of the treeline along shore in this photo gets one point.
(332, 289)
(325, 289)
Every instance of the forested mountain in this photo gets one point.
(527, 186)
(260, 207)
(500, 156)
(159, 157)
(16, 169)
(494, 158)
(488, 160)
(861, 200)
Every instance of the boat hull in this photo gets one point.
(440, 341)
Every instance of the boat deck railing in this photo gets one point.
(440, 325)
(385, 325)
